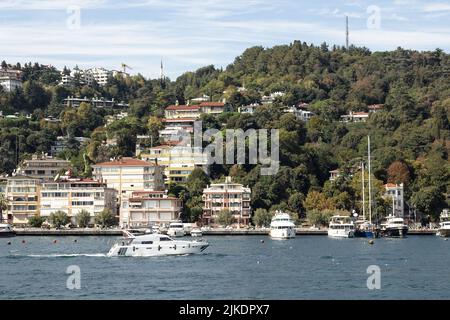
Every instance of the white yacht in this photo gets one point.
(176, 229)
(341, 227)
(152, 245)
(282, 226)
(444, 224)
(6, 231)
(196, 232)
(394, 227)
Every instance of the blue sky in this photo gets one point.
(188, 34)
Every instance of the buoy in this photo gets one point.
(9, 243)
(446, 239)
(262, 241)
(75, 240)
(54, 241)
(23, 241)
(371, 242)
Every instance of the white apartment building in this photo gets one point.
(10, 84)
(127, 175)
(87, 77)
(355, 117)
(394, 193)
(226, 196)
(74, 195)
(146, 208)
(100, 75)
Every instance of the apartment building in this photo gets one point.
(10, 80)
(146, 208)
(394, 193)
(73, 102)
(226, 196)
(75, 195)
(22, 194)
(127, 175)
(178, 161)
(43, 167)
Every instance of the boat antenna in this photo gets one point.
(370, 184)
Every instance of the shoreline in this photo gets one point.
(216, 232)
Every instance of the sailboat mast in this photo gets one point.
(363, 192)
(370, 184)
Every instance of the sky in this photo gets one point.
(188, 34)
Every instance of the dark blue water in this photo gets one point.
(308, 267)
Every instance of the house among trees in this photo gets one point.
(394, 195)
(355, 117)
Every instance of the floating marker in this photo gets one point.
(23, 241)
(262, 241)
(54, 241)
(371, 242)
(9, 243)
(75, 240)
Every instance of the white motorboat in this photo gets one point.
(444, 224)
(6, 231)
(152, 245)
(282, 226)
(196, 233)
(176, 229)
(394, 227)
(341, 227)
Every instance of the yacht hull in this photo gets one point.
(445, 233)
(395, 232)
(282, 234)
(341, 234)
(170, 249)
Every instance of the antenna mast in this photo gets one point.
(370, 182)
(346, 33)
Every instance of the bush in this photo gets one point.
(262, 218)
(36, 221)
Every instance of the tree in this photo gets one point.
(197, 181)
(105, 218)
(318, 201)
(429, 200)
(83, 218)
(58, 219)
(3, 205)
(262, 218)
(398, 172)
(36, 221)
(225, 218)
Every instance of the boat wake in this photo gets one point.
(66, 255)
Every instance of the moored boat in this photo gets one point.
(341, 227)
(282, 226)
(394, 227)
(6, 231)
(444, 224)
(176, 229)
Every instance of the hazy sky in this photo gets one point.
(188, 34)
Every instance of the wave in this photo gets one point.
(66, 255)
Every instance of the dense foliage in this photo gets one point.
(410, 136)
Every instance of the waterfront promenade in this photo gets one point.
(215, 232)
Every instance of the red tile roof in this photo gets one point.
(212, 104)
(183, 107)
(390, 185)
(125, 162)
(180, 120)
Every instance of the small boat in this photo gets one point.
(444, 224)
(153, 245)
(282, 226)
(196, 233)
(364, 229)
(6, 231)
(176, 229)
(394, 227)
(341, 227)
